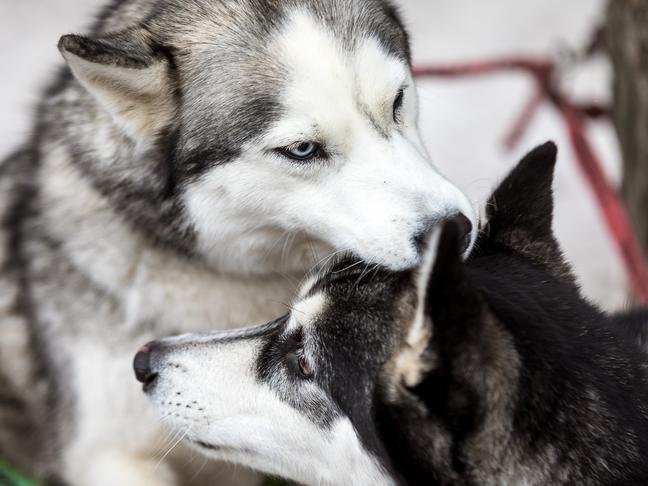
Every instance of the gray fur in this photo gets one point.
(217, 86)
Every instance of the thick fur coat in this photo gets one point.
(493, 371)
(190, 164)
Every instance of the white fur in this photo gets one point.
(258, 215)
(305, 310)
(422, 281)
(157, 285)
(231, 410)
(409, 367)
(140, 100)
(371, 196)
(114, 423)
(215, 374)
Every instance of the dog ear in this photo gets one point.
(440, 276)
(411, 361)
(520, 211)
(453, 305)
(523, 202)
(468, 363)
(129, 77)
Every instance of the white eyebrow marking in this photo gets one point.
(307, 286)
(363, 83)
(306, 310)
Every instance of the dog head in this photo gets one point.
(413, 376)
(270, 130)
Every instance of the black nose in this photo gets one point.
(463, 224)
(465, 230)
(142, 366)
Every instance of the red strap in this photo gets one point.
(610, 204)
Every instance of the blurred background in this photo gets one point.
(464, 121)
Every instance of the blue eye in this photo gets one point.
(302, 151)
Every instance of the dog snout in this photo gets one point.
(465, 230)
(142, 365)
(463, 224)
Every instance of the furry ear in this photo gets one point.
(524, 199)
(469, 364)
(453, 305)
(129, 77)
(411, 361)
(520, 211)
(440, 274)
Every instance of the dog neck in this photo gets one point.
(153, 283)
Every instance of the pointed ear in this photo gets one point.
(129, 77)
(441, 273)
(520, 211)
(523, 202)
(411, 362)
(453, 305)
(469, 364)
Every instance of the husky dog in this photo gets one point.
(490, 372)
(194, 160)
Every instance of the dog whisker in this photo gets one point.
(168, 440)
(275, 243)
(200, 469)
(287, 306)
(168, 435)
(175, 444)
(325, 260)
(290, 239)
(359, 262)
(362, 274)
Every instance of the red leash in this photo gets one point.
(574, 115)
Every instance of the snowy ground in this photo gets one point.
(463, 121)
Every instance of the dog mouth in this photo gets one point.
(149, 384)
(211, 447)
(219, 448)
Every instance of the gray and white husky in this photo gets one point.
(192, 162)
(494, 371)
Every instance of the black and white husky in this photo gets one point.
(493, 371)
(192, 161)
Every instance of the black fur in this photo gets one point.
(577, 404)
(522, 380)
(489, 371)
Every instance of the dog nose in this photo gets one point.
(465, 230)
(464, 227)
(142, 365)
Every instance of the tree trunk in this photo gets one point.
(627, 41)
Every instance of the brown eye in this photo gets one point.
(304, 367)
